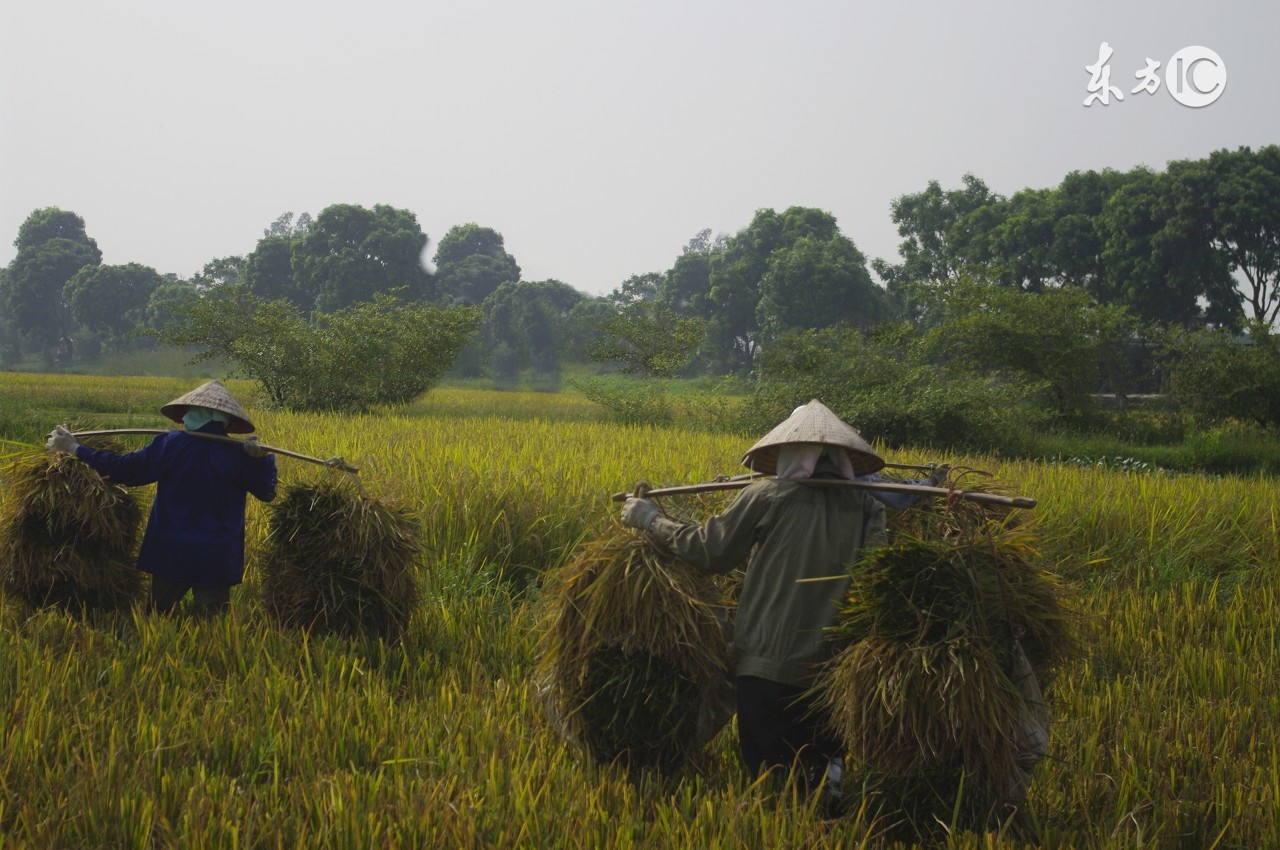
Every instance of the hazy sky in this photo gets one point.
(596, 137)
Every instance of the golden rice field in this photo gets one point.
(127, 730)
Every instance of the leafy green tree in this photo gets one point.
(878, 383)
(284, 227)
(1058, 339)
(10, 341)
(931, 248)
(222, 271)
(1078, 238)
(647, 338)
(1218, 375)
(471, 262)
(581, 327)
(379, 352)
(52, 246)
(1013, 238)
(638, 287)
(1243, 207)
(528, 318)
(733, 330)
(351, 253)
(170, 302)
(1158, 256)
(49, 223)
(686, 287)
(268, 272)
(816, 283)
(112, 300)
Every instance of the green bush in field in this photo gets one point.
(1218, 377)
(873, 383)
(378, 352)
(633, 402)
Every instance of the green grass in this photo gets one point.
(128, 730)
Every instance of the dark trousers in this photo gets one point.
(205, 601)
(777, 724)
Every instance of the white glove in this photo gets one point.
(61, 440)
(253, 448)
(638, 513)
(938, 476)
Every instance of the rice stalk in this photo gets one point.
(68, 537)
(339, 560)
(921, 693)
(632, 659)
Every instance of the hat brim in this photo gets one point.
(765, 458)
(237, 425)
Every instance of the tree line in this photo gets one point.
(1101, 271)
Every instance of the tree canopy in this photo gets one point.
(472, 262)
(52, 247)
(378, 352)
(112, 299)
(351, 254)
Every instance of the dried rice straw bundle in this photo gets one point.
(937, 518)
(927, 694)
(68, 537)
(338, 560)
(632, 658)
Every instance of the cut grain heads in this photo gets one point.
(68, 537)
(633, 660)
(338, 559)
(930, 691)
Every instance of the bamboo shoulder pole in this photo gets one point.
(910, 489)
(335, 462)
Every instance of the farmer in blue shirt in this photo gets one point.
(195, 534)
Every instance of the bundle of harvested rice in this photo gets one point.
(632, 657)
(939, 518)
(339, 560)
(927, 693)
(68, 537)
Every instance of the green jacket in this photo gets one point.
(797, 532)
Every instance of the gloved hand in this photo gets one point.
(638, 513)
(61, 440)
(252, 447)
(938, 476)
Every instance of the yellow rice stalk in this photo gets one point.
(339, 560)
(68, 537)
(921, 693)
(632, 659)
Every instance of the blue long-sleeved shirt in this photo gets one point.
(195, 533)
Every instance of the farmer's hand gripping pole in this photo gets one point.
(333, 462)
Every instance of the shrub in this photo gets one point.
(873, 384)
(1217, 377)
(376, 352)
(632, 402)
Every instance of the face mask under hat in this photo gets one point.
(213, 396)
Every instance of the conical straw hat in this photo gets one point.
(214, 396)
(812, 423)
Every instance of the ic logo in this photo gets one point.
(1195, 76)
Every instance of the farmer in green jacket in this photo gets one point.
(800, 539)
